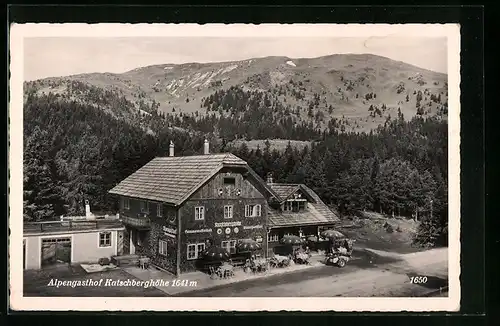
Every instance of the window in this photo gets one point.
(252, 210)
(228, 211)
(229, 181)
(126, 203)
(272, 237)
(195, 250)
(294, 205)
(144, 207)
(200, 248)
(199, 213)
(162, 247)
(159, 210)
(230, 246)
(104, 239)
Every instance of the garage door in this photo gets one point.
(56, 251)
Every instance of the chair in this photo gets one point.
(213, 273)
(248, 266)
(221, 272)
(144, 262)
(228, 273)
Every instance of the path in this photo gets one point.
(388, 274)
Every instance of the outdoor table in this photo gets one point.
(226, 270)
(259, 264)
(281, 260)
(302, 257)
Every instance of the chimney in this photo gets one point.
(206, 147)
(269, 178)
(88, 214)
(171, 151)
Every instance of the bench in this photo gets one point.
(125, 260)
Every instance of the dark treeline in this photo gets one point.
(399, 170)
(74, 151)
(235, 113)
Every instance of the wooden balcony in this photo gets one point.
(141, 221)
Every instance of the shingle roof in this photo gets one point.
(174, 179)
(316, 213)
(284, 190)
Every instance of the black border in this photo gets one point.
(472, 113)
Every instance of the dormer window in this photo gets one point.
(295, 205)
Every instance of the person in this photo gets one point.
(335, 247)
(308, 252)
(348, 245)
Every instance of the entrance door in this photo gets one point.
(126, 241)
(56, 251)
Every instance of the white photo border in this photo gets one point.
(18, 302)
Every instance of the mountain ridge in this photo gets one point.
(361, 89)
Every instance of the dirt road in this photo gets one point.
(378, 274)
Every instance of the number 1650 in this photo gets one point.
(418, 279)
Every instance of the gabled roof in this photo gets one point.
(317, 212)
(285, 190)
(314, 215)
(174, 179)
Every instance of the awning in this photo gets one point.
(246, 245)
(216, 254)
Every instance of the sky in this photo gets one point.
(62, 56)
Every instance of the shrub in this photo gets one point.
(104, 261)
(389, 228)
(398, 229)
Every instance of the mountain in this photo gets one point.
(358, 90)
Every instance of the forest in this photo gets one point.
(75, 151)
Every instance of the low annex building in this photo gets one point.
(300, 212)
(71, 240)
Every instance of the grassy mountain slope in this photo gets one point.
(343, 86)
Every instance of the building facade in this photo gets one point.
(300, 212)
(175, 207)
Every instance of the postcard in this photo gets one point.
(299, 167)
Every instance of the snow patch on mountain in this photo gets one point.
(209, 79)
(171, 84)
(290, 63)
(229, 69)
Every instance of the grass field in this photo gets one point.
(371, 232)
(278, 144)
